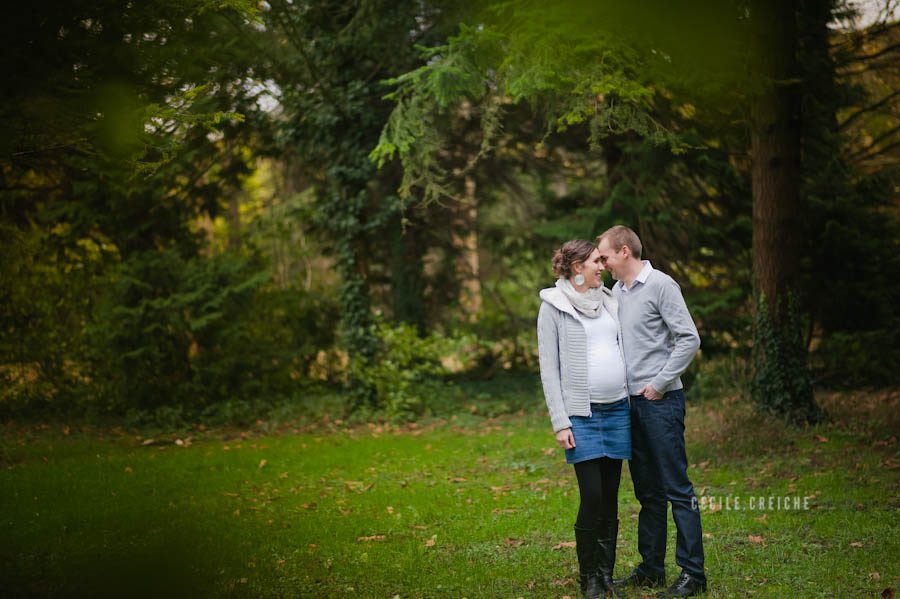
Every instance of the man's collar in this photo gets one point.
(640, 278)
(645, 272)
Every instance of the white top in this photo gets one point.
(606, 371)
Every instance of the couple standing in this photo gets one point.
(610, 368)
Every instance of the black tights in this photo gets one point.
(598, 484)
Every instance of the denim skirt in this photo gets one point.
(605, 433)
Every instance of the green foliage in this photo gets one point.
(46, 289)
(407, 369)
(190, 333)
(781, 381)
(128, 130)
(723, 376)
(575, 63)
(858, 359)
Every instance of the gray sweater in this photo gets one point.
(562, 350)
(659, 336)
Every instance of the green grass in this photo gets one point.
(460, 507)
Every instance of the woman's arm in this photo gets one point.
(548, 354)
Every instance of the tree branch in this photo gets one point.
(865, 152)
(878, 152)
(869, 34)
(869, 108)
(868, 57)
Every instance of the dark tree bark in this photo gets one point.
(775, 154)
(781, 381)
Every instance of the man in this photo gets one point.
(659, 340)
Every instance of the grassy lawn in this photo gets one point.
(464, 506)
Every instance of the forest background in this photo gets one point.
(213, 210)
(269, 278)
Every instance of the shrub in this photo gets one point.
(195, 332)
(723, 376)
(407, 368)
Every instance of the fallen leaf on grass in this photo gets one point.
(856, 544)
(563, 544)
(390, 509)
(358, 486)
(560, 582)
(707, 535)
(370, 538)
(430, 542)
(514, 542)
(262, 463)
(458, 479)
(762, 518)
(756, 539)
(821, 439)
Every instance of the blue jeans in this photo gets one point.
(658, 468)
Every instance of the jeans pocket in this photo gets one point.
(657, 417)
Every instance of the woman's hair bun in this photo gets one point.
(569, 253)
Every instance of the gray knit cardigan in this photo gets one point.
(562, 350)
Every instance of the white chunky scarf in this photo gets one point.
(589, 303)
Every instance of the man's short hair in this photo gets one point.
(619, 236)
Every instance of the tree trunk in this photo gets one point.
(775, 155)
(407, 284)
(781, 381)
(234, 221)
(465, 242)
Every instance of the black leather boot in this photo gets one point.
(606, 540)
(589, 554)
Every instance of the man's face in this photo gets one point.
(612, 260)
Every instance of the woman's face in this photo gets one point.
(591, 269)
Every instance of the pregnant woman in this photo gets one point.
(583, 375)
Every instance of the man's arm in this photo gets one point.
(675, 314)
